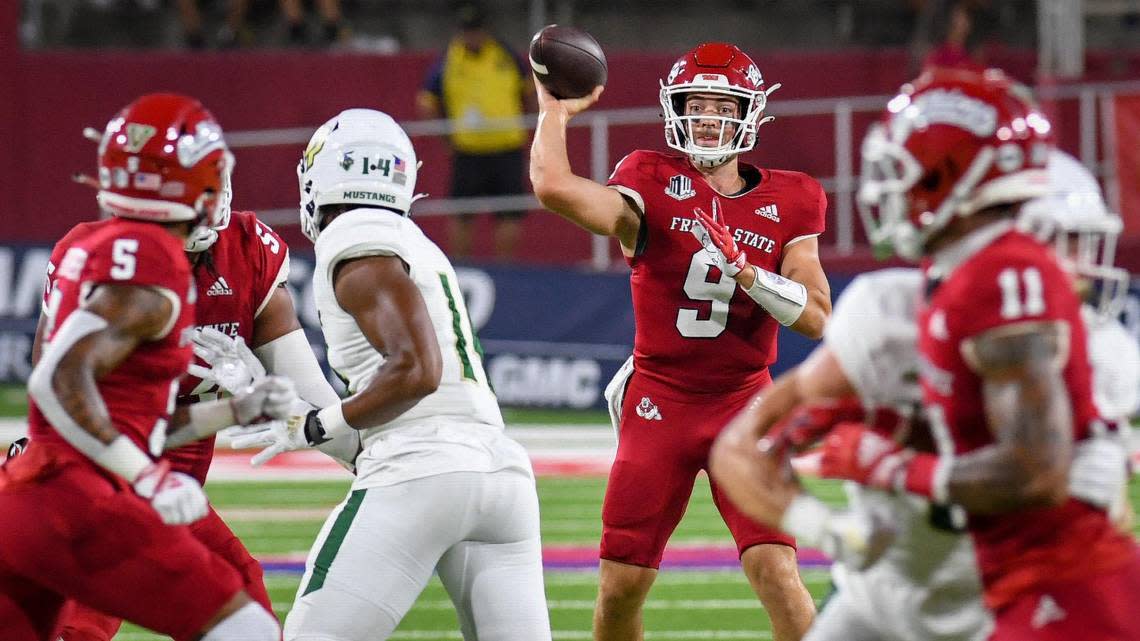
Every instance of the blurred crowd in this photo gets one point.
(388, 25)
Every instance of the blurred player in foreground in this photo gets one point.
(927, 579)
(439, 487)
(92, 515)
(706, 315)
(1003, 362)
(240, 269)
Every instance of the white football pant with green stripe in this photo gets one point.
(378, 549)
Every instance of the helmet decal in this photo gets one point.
(678, 67)
(137, 136)
(316, 144)
(754, 76)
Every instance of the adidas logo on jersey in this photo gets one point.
(647, 410)
(770, 212)
(680, 187)
(220, 288)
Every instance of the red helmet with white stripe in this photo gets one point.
(717, 69)
(951, 143)
(163, 158)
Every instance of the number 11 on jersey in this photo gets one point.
(468, 350)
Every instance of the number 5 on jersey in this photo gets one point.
(123, 256)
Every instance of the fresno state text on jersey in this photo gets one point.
(1010, 282)
(139, 392)
(695, 329)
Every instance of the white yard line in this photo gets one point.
(574, 635)
(678, 577)
(559, 635)
(584, 604)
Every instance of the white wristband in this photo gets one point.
(806, 519)
(784, 299)
(208, 417)
(332, 421)
(124, 458)
(940, 484)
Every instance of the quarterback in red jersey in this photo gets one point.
(1004, 365)
(722, 253)
(93, 516)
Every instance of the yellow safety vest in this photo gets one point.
(479, 86)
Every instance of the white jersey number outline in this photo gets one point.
(1013, 304)
(698, 288)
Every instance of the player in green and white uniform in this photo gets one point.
(439, 486)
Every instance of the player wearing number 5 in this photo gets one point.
(722, 253)
(439, 487)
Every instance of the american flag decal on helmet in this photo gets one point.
(398, 169)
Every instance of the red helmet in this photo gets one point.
(720, 69)
(163, 158)
(951, 143)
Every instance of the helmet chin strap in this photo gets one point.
(710, 162)
(200, 239)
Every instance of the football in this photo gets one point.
(567, 61)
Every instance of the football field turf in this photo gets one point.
(276, 519)
(280, 519)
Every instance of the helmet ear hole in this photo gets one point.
(679, 103)
(931, 180)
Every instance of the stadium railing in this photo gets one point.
(1095, 132)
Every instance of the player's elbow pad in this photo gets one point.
(784, 299)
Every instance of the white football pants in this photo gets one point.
(378, 549)
(880, 604)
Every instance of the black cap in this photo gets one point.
(471, 16)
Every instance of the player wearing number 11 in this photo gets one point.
(722, 253)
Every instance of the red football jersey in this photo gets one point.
(1010, 279)
(139, 393)
(695, 330)
(246, 264)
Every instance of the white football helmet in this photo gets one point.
(1074, 218)
(362, 157)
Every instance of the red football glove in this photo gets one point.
(724, 250)
(857, 453)
(809, 423)
(806, 424)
